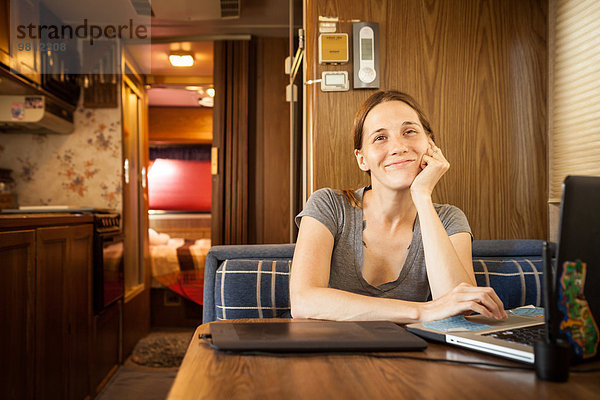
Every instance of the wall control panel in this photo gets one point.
(365, 38)
(333, 48)
(334, 81)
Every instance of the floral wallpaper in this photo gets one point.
(79, 169)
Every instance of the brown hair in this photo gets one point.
(359, 122)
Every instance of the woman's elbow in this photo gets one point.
(299, 304)
(297, 311)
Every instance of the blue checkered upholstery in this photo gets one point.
(252, 289)
(252, 281)
(517, 281)
(514, 268)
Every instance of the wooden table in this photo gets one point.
(208, 374)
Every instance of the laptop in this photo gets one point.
(571, 291)
(295, 336)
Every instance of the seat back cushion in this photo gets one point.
(516, 280)
(260, 288)
(252, 289)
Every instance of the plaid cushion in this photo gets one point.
(252, 289)
(260, 288)
(517, 280)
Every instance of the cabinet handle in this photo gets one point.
(144, 177)
(126, 170)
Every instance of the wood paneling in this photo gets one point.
(270, 154)
(180, 124)
(233, 125)
(106, 346)
(17, 298)
(479, 70)
(63, 312)
(51, 318)
(136, 320)
(251, 131)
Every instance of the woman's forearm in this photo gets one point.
(445, 270)
(339, 305)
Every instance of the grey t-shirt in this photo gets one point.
(345, 222)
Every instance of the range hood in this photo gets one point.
(34, 114)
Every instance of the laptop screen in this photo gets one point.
(577, 277)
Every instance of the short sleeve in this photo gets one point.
(323, 205)
(454, 220)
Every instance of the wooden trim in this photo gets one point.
(180, 80)
(133, 292)
(218, 134)
(15, 221)
(131, 84)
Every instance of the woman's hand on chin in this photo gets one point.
(464, 299)
(433, 166)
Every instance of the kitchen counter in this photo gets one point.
(36, 220)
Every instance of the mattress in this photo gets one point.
(178, 264)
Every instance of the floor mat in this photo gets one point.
(161, 350)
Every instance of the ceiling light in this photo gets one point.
(181, 58)
(193, 88)
(210, 92)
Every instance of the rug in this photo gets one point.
(161, 350)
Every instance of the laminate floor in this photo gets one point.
(133, 381)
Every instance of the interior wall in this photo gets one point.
(180, 124)
(82, 168)
(479, 70)
(270, 150)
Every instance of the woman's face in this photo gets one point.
(393, 144)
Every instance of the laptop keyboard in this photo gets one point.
(527, 335)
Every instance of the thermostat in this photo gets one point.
(333, 48)
(366, 55)
(334, 81)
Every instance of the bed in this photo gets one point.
(178, 247)
(179, 193)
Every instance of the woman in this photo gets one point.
(379, 253)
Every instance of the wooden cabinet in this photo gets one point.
(4, 32)
(63, 311)
(25, 52)
(17, 285)
(46, 295)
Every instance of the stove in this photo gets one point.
(109, 248)
(107, 222)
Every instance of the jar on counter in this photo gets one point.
(8, 194)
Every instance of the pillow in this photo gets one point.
(252, 289)
(157, 239)
(517, 280)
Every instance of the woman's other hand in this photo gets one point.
(434, 165)
(464, 299)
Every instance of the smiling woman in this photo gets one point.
(386, 251)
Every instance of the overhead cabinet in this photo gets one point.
(25, 57)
